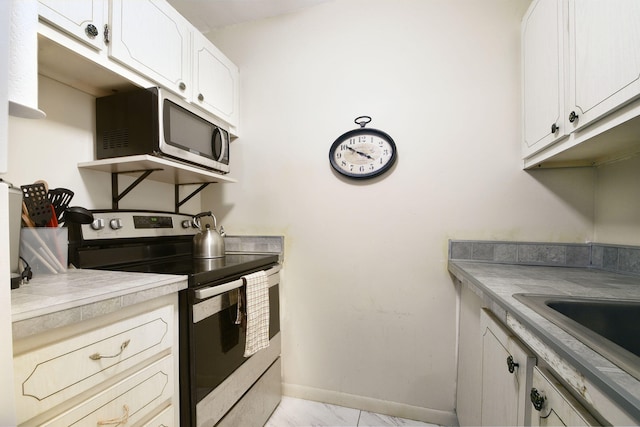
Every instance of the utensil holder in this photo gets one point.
(45, 249)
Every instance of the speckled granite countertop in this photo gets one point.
(50, 301)
(496, 283)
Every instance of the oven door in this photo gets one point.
(216, 344)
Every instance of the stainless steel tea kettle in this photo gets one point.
(208, 243)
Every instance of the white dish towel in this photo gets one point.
(257, 305)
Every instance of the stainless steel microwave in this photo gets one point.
(154, 121)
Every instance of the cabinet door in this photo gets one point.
(215, 80)
(506, 375)
(153, 39)
(604, 59)
(469, 362)
(83, 19)
(553, 406)
(543, 88)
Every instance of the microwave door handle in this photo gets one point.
(224, 139)
(217, 290)
(216, 133)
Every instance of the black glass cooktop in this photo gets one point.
(203, 271)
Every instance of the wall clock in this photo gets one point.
(363, 153)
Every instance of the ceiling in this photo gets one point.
(207, 15)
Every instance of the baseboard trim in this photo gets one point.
(427, 415)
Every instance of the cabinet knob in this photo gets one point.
(573, 116)
(537, 399)
(91, 31)
(182, 86)
(555, 128)
(511, 364)
(200, 97)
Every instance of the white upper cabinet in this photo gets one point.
(580, 82)
(543, 86)
(83, 19)
(604, 59)
(153, 39)
(215, 80)
(135, 43)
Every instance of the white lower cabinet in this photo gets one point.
(506, 375)
(127, 402)
(469, 388)
(121, 367)
(499, 382)
(164, 418)
(553, 405)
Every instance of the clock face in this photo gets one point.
(363, 153)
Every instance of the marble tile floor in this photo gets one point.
(293, 412)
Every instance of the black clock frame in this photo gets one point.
(357, 132)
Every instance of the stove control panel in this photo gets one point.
(152, 221)
(135, 224)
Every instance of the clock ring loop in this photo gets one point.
(362, 121)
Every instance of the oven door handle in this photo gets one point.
(220, 289)
(217, 290)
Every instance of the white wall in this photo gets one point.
(617, 214)
(51, 149)
(369, 310)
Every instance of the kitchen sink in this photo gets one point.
(609, 327)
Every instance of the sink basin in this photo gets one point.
(609, 327)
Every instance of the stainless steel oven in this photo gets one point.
(218, 385)
(216, 345)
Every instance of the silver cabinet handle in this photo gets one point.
(121, 420)
(98, 356)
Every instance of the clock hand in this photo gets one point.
(361, 153)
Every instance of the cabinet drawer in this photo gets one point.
(55, 373)
(166, 418)
(553, 405)
(127, 402)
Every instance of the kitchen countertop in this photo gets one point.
(496, 284)
(54, 300)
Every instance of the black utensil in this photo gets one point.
(78, 215)
(60, 198)
(37, 203)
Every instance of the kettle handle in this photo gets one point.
(196, 219)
